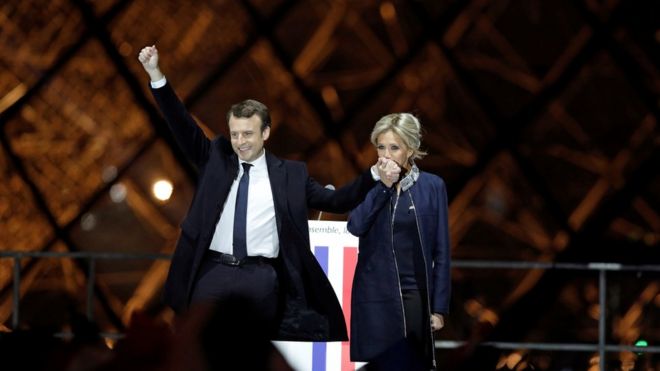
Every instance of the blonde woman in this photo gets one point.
(401, 286)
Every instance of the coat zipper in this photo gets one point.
(426, 276)
(396, 266)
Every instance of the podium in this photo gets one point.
(336, 251)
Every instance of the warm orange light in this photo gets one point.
(162, 190)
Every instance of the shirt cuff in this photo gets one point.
(374, 173)
(158, 84)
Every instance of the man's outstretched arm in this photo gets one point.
(188, 134)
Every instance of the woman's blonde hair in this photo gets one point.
(406, 126)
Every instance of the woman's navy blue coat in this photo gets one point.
(377, 311)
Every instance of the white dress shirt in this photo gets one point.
(261, 233)
(158, 84)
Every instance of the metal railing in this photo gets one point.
(601, 267)
(91, 258)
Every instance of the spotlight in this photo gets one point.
(162, 190)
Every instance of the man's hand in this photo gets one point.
(388, 171)
(149, 58)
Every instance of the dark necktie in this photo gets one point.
(240, 215)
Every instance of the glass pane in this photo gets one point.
(84, 120)
(33, 33)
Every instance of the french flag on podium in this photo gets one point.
(336, 251)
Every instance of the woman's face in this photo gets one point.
(390, 146)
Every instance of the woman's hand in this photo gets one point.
(388, 171)
(437, 321)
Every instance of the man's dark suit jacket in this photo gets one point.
(311, 311)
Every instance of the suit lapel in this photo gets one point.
(277, 177)
(222, 181)
(233, 169)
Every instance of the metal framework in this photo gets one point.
(541, 116)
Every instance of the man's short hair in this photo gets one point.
(249, 108)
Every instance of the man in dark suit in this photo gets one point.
(256, 247)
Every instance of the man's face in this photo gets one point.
(247, 139)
